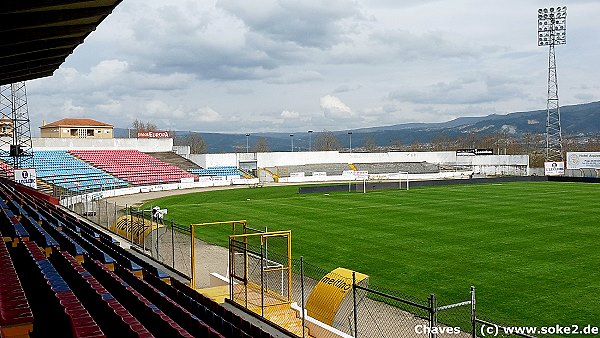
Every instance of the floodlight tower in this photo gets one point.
(15, 130)
(552, 31)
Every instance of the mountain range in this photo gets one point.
(576, 120)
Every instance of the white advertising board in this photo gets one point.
(26, 177)
(583, 160)
(554, 168)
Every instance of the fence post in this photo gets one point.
(302, 298)
(152, 235)
(143, 229)
(115, 217)
(354, 304)
(106, 207)
(158, 243)
(473, 313)
(127, 230)
(173, 241)
(262, 285)
(432, 316)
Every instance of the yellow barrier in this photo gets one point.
(134, 228)
(327, 296)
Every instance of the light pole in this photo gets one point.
(310, 140)
(247, 144)
(552, 30)
(350, 134)
(292, 138)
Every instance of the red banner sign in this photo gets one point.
(153, 134)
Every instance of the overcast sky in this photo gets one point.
(241, 66)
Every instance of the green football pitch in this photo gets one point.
(531, 249)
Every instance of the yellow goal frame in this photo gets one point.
(234, 225)
(263, 236)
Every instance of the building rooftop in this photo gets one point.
(71, 122)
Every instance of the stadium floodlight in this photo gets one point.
(310, 140)
(247, 144)
(552, 31)
(350, 134)
(292, 138)
(552, 26)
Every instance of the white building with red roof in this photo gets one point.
(77, 128)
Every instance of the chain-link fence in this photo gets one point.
(370, 311)
(157, 237)
(268, 281)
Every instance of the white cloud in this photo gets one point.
(206, 114)
(232, 65)
(334, 108)
(286, 114)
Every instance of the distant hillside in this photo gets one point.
(581, 119)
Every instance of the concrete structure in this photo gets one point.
(480, 164)
(144, 145)
(77, 128)
(6, 127)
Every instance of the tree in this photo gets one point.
(415, 145)
(194, 140)
(196, 143)
(327, 140)
(442, 142)
(141, 126)
(396, 144)
(261, 145)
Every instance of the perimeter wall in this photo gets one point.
(483, 164)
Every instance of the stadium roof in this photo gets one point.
(68, 122)
(36, 36)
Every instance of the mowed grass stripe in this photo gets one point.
(531, 249)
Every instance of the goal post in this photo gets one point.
(403, 174)
(258, 280)
(237, 227)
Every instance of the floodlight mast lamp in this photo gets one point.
(552, 31)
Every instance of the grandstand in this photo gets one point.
(58, 168)
(63, 277)
(218, 171)
(334, 169)
(174, 159)
(133, 166)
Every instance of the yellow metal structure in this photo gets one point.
(352, 166)
(327, 296)
(274, 175)
(260, 273)
(235, 226)
(134, 228)
(244, 282)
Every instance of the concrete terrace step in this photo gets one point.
(174, 159)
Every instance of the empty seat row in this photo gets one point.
(15, 312)
(112, 316)
(58, 168)
(225, 322)
(154, 319)
(217, 171)
(186, 319)
(133, 166)
(61, 312)
(84, 285)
